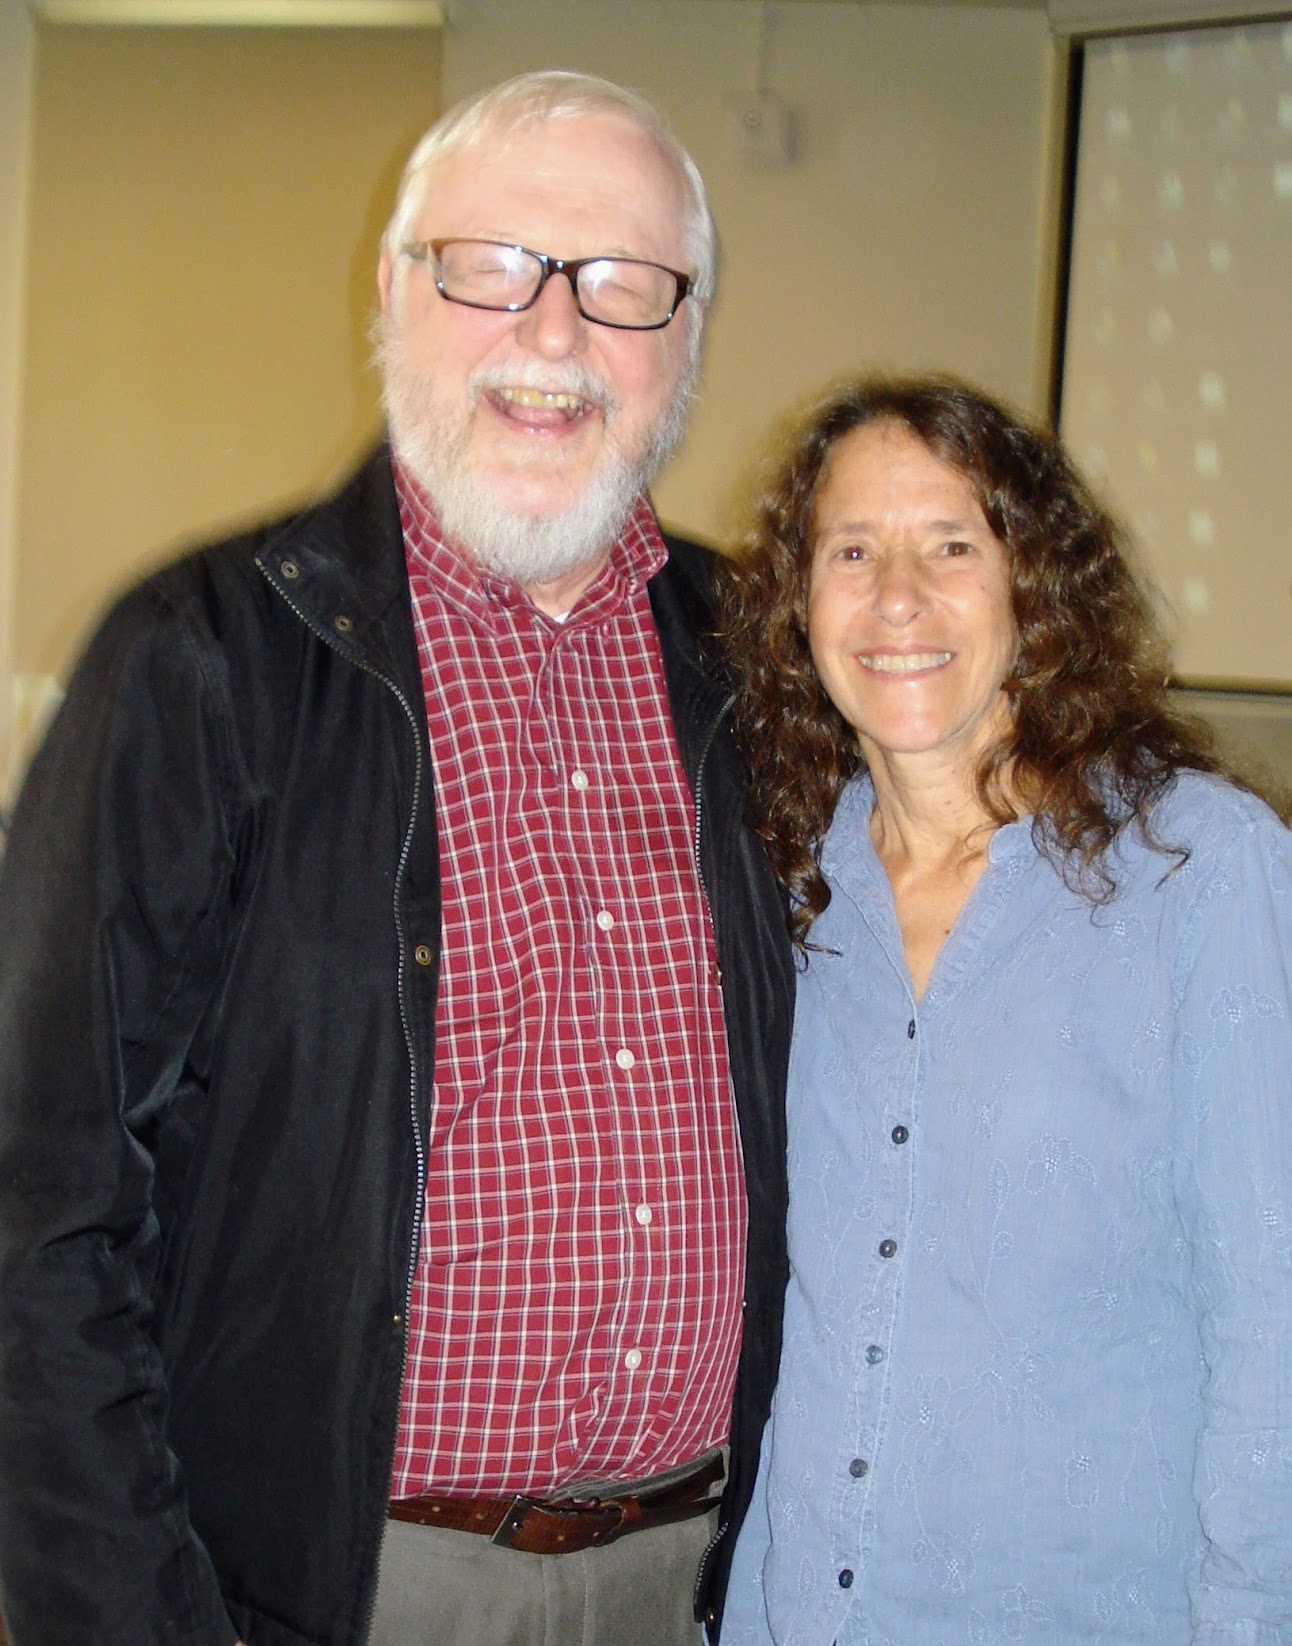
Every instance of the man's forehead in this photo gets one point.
(597, 144)
(575, 187)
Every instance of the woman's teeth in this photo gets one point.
(903, 663)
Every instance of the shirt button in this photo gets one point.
(900, 1134)
(579, 780)
(633, 1359)
(845, 1578)
(605, 919)
(874, 1354)
(858, 1467)
(888, 1248)
(910, 1030)
(624, 1058)
(643, 1214)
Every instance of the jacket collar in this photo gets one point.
(699, 686)
(340, 566)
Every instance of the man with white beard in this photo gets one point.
(393, 1003)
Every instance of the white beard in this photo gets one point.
(531, 549)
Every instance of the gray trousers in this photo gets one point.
(441, 1588)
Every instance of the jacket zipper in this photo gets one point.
(406, 851)
(718, 718)
(723, 711)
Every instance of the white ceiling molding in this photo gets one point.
(1088, 17)
(277, 14)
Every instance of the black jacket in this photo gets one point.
(219, 927)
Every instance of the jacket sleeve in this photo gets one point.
(1234, 1061)
(114, 893)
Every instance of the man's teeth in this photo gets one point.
(907, 663)
(543, 399)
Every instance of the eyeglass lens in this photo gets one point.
(615, 290)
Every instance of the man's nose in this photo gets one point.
(552, 326)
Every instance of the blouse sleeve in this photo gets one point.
(1234, 1193)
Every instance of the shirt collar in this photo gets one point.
(851, 839)
(1013, 840)
(638, 553)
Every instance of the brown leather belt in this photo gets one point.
(563, 1526)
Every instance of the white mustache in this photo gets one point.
(535, 374)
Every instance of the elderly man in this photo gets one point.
(393, 1004)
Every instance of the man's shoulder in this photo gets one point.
(335, 529)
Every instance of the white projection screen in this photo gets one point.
(1177, 383)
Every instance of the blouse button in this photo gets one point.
(888, 1248)
(858, 1467)
(900, 1134)
(845, 1578)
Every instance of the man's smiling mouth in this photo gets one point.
(559, 404)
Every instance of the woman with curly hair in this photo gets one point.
(1036, 1382)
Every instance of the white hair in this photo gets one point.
(558, 94)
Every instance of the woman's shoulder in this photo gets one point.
(1209, 843)
(1208, 815)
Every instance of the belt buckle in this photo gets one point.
(509, 1526)
(509, 1530)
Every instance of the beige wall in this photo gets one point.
(17, 42)
(170, 387)
(205, 207)
(913, 230)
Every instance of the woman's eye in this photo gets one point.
(957, 547)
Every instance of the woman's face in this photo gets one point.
(909, 614)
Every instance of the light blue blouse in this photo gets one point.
(1037, 1378)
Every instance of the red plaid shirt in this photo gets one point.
(576, 1307)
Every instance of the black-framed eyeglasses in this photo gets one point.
(625, 292)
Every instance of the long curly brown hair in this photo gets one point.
(1094, 742)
